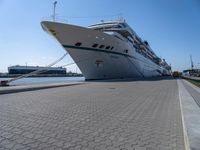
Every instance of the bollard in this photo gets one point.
(4, 83)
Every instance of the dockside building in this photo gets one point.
(14, 70)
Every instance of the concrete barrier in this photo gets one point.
(191, 78)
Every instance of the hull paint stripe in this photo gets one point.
(97, 50)
(104, 51)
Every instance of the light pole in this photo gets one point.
(192, 65)
(198, 65)
(54, 10)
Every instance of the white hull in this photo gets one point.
(96, 63)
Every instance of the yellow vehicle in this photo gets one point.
(176, 74)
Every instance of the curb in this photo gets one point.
(35, 87)
(185, 136)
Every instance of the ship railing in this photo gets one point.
(60, 19)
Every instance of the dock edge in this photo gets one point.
(185, 136)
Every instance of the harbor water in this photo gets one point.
(44, 80)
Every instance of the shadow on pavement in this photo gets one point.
(135, 79)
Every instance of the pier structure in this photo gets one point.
(150, 114)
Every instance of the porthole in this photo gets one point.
(94, 45)
(101, 46)
(107, 47)
(126, 51)
(78, 44)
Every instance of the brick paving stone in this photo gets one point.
(135, 115)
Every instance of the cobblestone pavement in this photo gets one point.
(138, 115)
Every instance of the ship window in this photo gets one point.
(94, 45)
(101, 46)
(138, 50)
(135, 46)
(112, 48)
(78, 44)
(123, 25)
(126, 51)
(107, 47)
(118, 37)
(130, 41)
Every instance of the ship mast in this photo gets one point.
(54, 11)
(192, 65)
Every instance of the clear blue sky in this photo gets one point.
(172, 27)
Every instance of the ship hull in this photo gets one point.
(101, 63)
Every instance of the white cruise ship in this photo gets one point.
(108, 50)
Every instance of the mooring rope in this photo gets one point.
(41, 70)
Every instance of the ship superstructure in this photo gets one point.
(108, 50)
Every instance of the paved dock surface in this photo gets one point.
(24, 88)
(137, 115)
